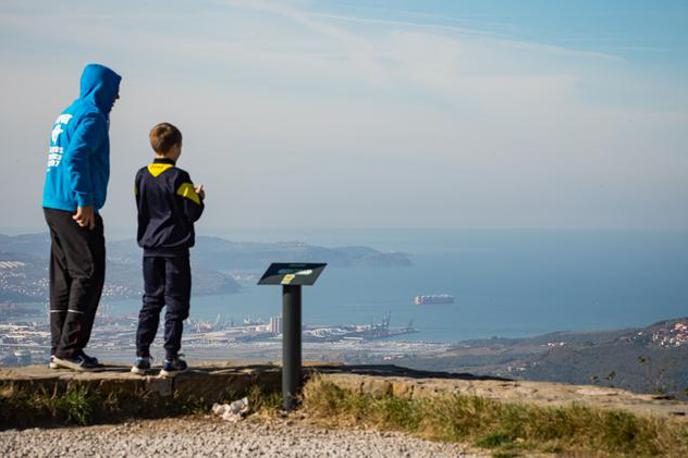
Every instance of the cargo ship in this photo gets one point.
(433, 299)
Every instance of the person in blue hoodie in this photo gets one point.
(75, 190)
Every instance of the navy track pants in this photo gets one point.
(167, 282)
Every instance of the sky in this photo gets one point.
(368, 114)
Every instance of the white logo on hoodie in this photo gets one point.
(55, 152)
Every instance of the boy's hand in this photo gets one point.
(85, 217)
(201, 192)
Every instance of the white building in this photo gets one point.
(276, 325)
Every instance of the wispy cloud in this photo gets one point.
(369, 121)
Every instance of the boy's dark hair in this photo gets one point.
(164, 136)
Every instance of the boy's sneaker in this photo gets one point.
(173, 366)
(142, 365)
(77, 363)
(52, 364)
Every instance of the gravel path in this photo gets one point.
(212, 437)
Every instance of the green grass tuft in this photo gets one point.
(494, 439)
(264, 401)
(76, 406)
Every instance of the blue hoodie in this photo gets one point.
(79, 154)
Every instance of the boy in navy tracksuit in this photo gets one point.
(168, 205)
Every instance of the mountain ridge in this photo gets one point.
(212, 258)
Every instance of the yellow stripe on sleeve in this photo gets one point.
(187, 190)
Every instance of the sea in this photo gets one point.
(507, 283)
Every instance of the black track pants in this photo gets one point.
(77, 273)
(167, 282)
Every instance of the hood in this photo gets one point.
(100, 86)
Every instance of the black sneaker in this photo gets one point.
(91, 359)
(142, 365)
(173, 366)
(77, 363)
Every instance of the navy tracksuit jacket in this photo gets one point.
(168, 206)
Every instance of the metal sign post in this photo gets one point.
(291, 276)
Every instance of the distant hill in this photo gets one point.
(652, 359)
(24, 276)
(220, 254)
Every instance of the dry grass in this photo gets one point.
(81, 405)
(506, 428)
(264, 403)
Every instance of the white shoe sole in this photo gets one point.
(63, 363)
(53, 365)
(138, 371)
(164, 373)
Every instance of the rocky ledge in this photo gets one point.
(149, 396)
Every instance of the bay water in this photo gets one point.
(508, 283)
